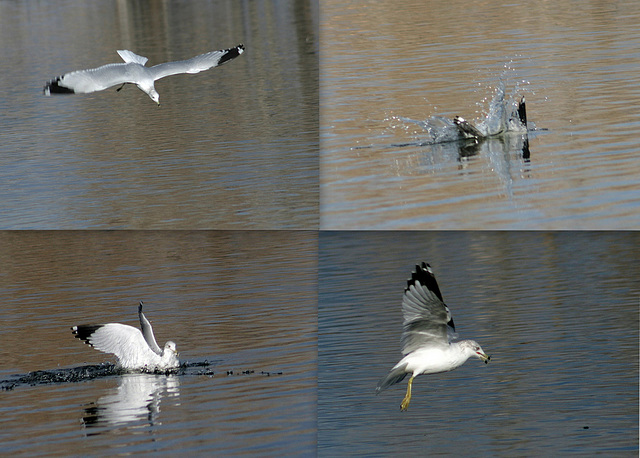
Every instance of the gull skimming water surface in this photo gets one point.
(133, 71)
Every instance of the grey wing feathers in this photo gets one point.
(147, 331)
(196, 64)
(85, 81)
(426, 317)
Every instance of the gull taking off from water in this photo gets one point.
(427, 335)
(135, 350)
(133, 71)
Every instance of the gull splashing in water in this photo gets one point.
(428, 333)
(135, 350)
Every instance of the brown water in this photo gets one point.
(243, 301)
(235, 147)
(577, 71)
(270, 369)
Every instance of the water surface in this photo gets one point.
(241, 307)
(235, 147)
(557, 312)
(577, 71)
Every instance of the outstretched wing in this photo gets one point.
(196, 64)
(92, 80)
(426, 318)
(147, 332)
(126, 342)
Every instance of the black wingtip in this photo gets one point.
(85, 331)
(53, 87)
(231, 53)
(522, 112)
(424, 275)
(140, 307)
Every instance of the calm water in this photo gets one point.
(235, 147)
(243, 301)
(577, 71)
(557, 312)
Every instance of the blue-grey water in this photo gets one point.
(235, 147)
(575, 64)
(557, 312)
(243, 303)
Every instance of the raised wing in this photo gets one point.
(426, 318)
(196, 64)
(147, 332)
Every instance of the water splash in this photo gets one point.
(505, 114)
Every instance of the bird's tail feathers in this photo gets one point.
(396, 375)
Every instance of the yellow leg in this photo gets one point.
(407, 397)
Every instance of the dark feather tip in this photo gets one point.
(231, 53)
(85, 331)
(53, 87)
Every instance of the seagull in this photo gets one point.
(133, 71)
(468, 130)
(427, 335)
(135, 350)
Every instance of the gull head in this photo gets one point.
(170, 348)
(170, 355)
(474, 349)
(154, 96)
(148, 88)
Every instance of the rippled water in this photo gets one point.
(270, 369)
(577, 71)
(557, 312)
(241, 307)
(235, 147)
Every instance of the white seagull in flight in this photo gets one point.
(135, 350)
(133, 71)
(427, 335)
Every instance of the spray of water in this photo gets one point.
(505, 114)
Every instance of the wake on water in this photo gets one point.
(90, 372)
